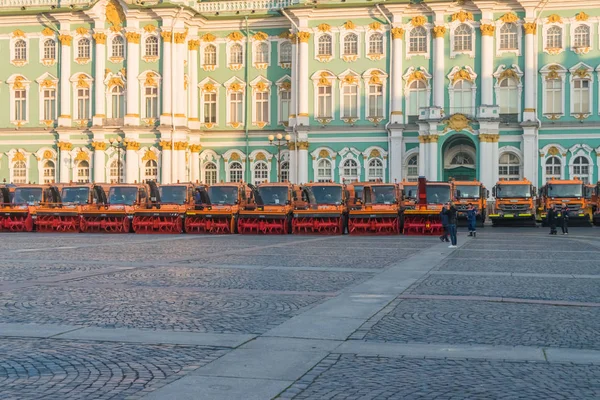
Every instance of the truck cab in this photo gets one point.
(515, 202)
(565, 192)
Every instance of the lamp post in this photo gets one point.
(118, 144)
(279, 144)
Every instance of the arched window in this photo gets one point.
(236, 55)
(582, 37)
(462, 158)
(412, 168)
(210, 173)
(376, 43)
(236, 172)
(463, 39)
(20, 50)
(350, 171)
(151, 170)
(285, 171)
(19, 172)
(417, 40)
(83, 172)
(351, 44)
(116, 172)
(554, 37)
(375, 170)
(118, 47)
(261, 172)
(463, 98)
(49, 170)
(118, 102)
(210, 55)
(49, 49)
(417, 98)
(151, 46)
(285, 53)
(509, 167)
(325, 48)
(581, 169)
(83, 48)
(324, 171)
(553, 168)
(509, 37)
(508, 99)
(262, 53)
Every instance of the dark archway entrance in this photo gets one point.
(460, 158)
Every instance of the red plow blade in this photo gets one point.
(16, 223)
(422, 225)
(201, 224)
(105, 224)
(319, 225)
(157, 224)
(57, 223)
(267, 225)
(374, 226)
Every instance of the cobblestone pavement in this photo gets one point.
(511, 314)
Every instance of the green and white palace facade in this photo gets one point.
(366, 90)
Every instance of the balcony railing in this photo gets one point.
(232, 6)
(43, 3)
(112, 122)
(467, 111)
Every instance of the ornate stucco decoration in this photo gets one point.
(439, 31)
(397, 33)
(349, 25)
(530, 28)
(287, 85)
(375, 26)
(208, 37)
(261, 87)
(99, 146)
(554, 19)
(582, 17)
(151, 79)
(487, 29)
(235, 87)
(167, 36)
(260, 36)
(235, 36)
(47, 155)
(489, 137)
(324, 79)
(209, 88)
(416, 75)
(133, 37)
(509, 73)
(64, 146)
(509, 18)
(553, 72)
(47, 32)
(284, 35)
(303, 145)
(114, 15)
(19, 83)
(82, 31)
(375, 79)
(165, 145)
(462, 74)
(462, 16)
(18, 156)
(582, 73)
(150, 28)
(195, 148)
(18, 33)
(82, 156)
(149, 155)
(553, 151)
(349, 80)
(419, 20)
(304, 37)
(180, 37)
(48, 83)
(132, 145)
(100, 38)
(193, 45)
(324, 27)
(65, 40)
(115, 81)
(457, 123)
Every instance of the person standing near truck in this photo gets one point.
(452, 224)
(564, 219)
(444, 221)
(551, 218)
(472, 219)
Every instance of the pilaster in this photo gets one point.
(396, 76)
(193, 120)
(99, 159)
(530, 153)
(166, 158)
(303, 161)
(195, 162)
(64, 119)
(65, 160)
(529, 113)
(439, 78)
(132, 116)
(165, 117)
(487, 63)
(302, 117)
(396, 154)
(293, 170)
(132, 168)
(180, 158)
(99, 87)
(294, 86)
(178, 71)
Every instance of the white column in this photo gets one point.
(165, 161)
(302, 162)
(439, 76)
(99, 87)
(195, 163)
(132, 168)
(396, 76)
(495, 160)
(64, 119)
(530, 154)
(193, 120)
(486, 164)
(180, 150)
(395, 155)
(529, 113)
(165, 117)
(302, 116)
(423, 168)
(433, 158)
(99, 161)
(487, 64)
(179, 96)
(65, 161)
(293, 163)
(132, 116)
(294, 86)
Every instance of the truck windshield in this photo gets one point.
(122, 195)
(564, 190)
(513, 191)
(76, 195)
(226, 195)
(30, 196)
(467, 191)
(410, 192)
(273, 195)
(328, 194)
(438, 194)
(384, 194)
(172, 194)
(359, 192)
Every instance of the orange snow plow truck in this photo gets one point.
(272, 213)
(470, 192)
(514, 203)
(425, 218)
(18, 210)
(322, 209)
(374, 208)
(219, 209)
(65, 215)
(569, 192)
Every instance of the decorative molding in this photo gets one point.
(65, 40)
(99, 37)
(180, 37)
(530, 28)
(235, 36)
(165, 145)
(150, 28)
(303, 36)
(64, 146)
(489, 137)
(47, 32)
(554, 19)
(419, 20)
(99, 146)
(439, 31)
(582, 17)
(208, 37)
(82, 31)
(375, 26)
(193, 45)
(509, 18)
(457, 123)
(195, 148)
(324, 28)
(166, 35)
(133, 37)
(462, 16)
(487, 29)
(349, 25)
(397, 33)
(114, 14)
(260, 36)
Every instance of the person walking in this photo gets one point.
(564, 219)
(551, 217)
(452, 224)
(472, 219)
(444, 221)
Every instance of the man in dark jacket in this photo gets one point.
(444, 221)
(452, 224)
(198, 200)
(551, 218)
(472, 219)
(564, 219)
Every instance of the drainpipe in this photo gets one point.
(296, 106)
(247, 97)
(391, 86)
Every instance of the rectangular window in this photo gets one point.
(49, 111)
(553, 97)
(262, 107)
(285, 99)
(324, 102)
(83, 104)
(350, 101)
(210, 108)
(416, 100)
(375, 101)
(235, 107)
(581, 96)
(20, 105)
(151, 102)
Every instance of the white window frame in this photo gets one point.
(562, 153)
(426, 54)
(77, 47)
(205, 66)
(453, 26)
(77, 168)
(500, 77)
(228, 92)
(328, 76)
(148, 57)
(26, 86)
(209, 156)
(586, 178)
(261, 64)
(562, 72)
(369, 177)
(350, 153)
(262, 158)
(110, 50)
(581, 50)
(11, 164)
(370, 77)
(319, 178)
(451, 89)
(510, 150)
(343, 116)
(368, 37)
(75, 82)
(323, 153)
(255, 92)
(554, 50)
(47, 61)
(573, 79)
(408, 156)
(499, 50)
(13, 60)
(215, 88)
(282, 63)
(408, 81)
(283, 119)
(142, 79)
(230, 45)
(241, 171)
(350, 57)
(109, 101)
(204, 172)
(324, 57)
(41, 106)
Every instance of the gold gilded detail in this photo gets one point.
(439, 31)
(133, 37)
(324, 79)
(419, 20)
(324, 27)
(260, 36)
(65, 40)
(349, 25)
(303, 36)
(64, 146)
(193, 44)
(397, 33)
(166, 35)
(18, 84)
(582, 73)
(208, 37)
(150, 79)
(165, 144)
(82, 156)
(416, 76)
(462, 74)
(114, 14)
(100, 38)
(375, 26)
(48, 83)
(350, 80)
(82, 31)
(150, 28)
(149, 155)
(487, 29)
(235, 87)
(489, 137)
(18, 33)
(18, 157)
(195, 148)
(375, 79)
(508, 73)
(582, 17)
(509, 18)
(47, 155)
(180, 37)
(530, 28)
(235, 36)
(99, 146)
(457, 123)
(462, 16)
(303, 145)
(554, 19)
(47, 32)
